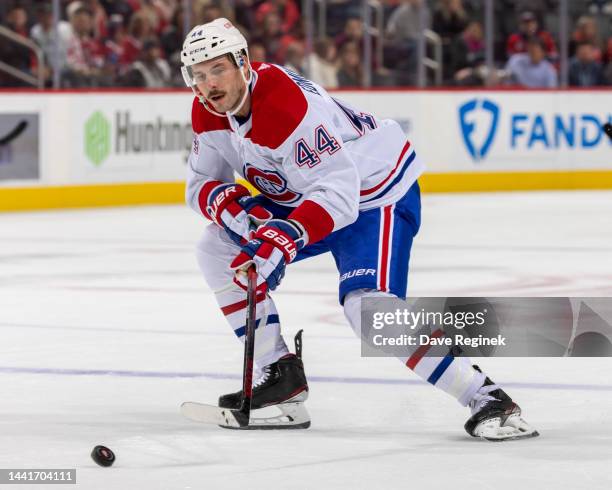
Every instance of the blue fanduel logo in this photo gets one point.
(478, 119)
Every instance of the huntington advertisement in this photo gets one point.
(131, 138)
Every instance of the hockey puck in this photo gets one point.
(608, 129)
(103, 456)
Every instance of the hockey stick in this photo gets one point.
(13, 133)
(239, 418)
(249, 345)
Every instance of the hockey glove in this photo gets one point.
(271, 248)
(233, 209)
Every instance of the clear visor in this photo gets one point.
(188, 76)
(191, 78)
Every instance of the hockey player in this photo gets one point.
(331, 179)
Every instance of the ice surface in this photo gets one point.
(107, 327)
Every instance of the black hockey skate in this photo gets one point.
(281, 381)
(282, 385)
(495, 417)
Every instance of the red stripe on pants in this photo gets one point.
(421, 351)
(384, 257)
(233, 308)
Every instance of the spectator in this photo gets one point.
(257, 52)
(215, 10)
(204, 11)
(117, 45)
(85, 55)
(157, 13)
(100, 18)
(211, 12)
(273, 39)
(151, 70)
(528, 28)
(473, 41)
(294, 59)
(125, 8)
(245, 16)
(584, 69)
(287, 10)
(43, 34)
(13, 54)
(322, 64)
(608, 74)
(350, 72)
(338, 11)
(173, 36)
(449, 19)
(538, 7)
(402, 32)
(404, 24)
(171, 42)
(140, 29)
(17, 20)
(607, 54)
(353, 32)
(469, 56)
(587, 32)
(531, 69)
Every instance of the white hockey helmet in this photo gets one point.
(208, 41)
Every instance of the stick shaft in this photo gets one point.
(249, 341)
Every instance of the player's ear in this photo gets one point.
(244, 64)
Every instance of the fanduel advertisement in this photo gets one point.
(492, 128)
(489, 131)
(527, 131)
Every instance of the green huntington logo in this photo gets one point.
(97, 138)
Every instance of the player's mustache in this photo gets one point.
(214, 94)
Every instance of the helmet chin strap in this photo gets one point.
(232, 112)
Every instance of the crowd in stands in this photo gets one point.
(137, 43)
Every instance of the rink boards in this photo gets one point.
(73, 149)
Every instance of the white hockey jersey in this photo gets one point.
(304, 149)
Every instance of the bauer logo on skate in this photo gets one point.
(271, 184)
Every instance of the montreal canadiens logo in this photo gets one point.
(271, 184)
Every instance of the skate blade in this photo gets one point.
(293, 415)
(212, 414)
(513, 428)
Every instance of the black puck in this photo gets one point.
(103, 456)
(608, 129)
